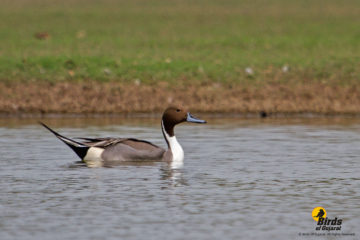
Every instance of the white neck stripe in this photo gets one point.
(175, 147)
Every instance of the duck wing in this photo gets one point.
(101, 142)
(126, 149)
(106, 142)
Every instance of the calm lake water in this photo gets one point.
(242, 179)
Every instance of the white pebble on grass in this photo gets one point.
(285, 68)
(107, 71)
(249, 71)
(137, 82)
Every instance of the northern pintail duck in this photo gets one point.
(103, 151)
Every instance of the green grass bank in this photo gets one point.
(181, 40)
(109, 56)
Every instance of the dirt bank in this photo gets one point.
(112, 97)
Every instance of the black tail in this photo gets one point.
(79, 148)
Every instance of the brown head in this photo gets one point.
(175, 115)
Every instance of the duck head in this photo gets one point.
(176, 115)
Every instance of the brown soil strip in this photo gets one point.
(118, 98)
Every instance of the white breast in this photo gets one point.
(177, 152)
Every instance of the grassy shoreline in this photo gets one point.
(118, 98)
(229, 56)
(201, 41)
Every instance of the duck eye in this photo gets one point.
(178, 110)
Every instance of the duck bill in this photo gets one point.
(193, 119)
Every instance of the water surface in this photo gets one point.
(242, 179)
